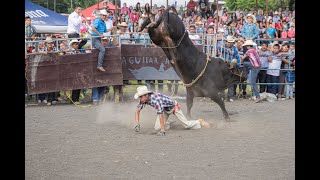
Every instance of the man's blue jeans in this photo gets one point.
(253, 81)
(97, 93)
(97, 44)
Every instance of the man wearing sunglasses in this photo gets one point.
(98, 28)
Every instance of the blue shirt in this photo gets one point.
(272, 32)
(250, 31)
(100, 25)
(264, 59)
(230, 53)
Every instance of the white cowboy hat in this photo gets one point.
(103, 12)
(254, 20)
(144, 15)
(88, 18)
(48, 40)
(220, 30)
(249, 43)
(141, 90)
(276, 12)
(123, 24)
(73, 41)
(230, 39)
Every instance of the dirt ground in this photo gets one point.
(66, 142)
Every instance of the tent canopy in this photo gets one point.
(45, 20)
(89, 11)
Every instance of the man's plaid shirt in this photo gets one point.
(159, 101)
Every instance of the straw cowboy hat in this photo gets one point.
(141, 90)
(254, 20)
(73, 41)
(230, 39)
(103, 12)
(123, 24)
(48, 40)
(249, 43)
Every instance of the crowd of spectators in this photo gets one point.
(201, 19)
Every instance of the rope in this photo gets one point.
(194, 81)
(178, 43)
(80, 106)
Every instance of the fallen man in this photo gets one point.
(164, 106)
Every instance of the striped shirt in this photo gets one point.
(230, 53)
(159, 101)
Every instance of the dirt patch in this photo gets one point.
(66, 142)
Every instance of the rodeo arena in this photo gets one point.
(116, 91)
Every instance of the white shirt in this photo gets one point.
(74, 22)
(109, 25)
(275, 64)
(194, 37)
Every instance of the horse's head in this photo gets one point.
(168, 28)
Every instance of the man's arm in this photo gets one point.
(137, 116)
(95, 30)
(243, 33)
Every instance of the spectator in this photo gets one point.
(125, 9)
(134, 17)
(291, 32)
(279, 28)
(191, 7)
(74, 49)
(238, 29)
(158, 15)
(200, 27)
(286, 12)
(245, 13)
(210, 20)
(262, 30)
(264, 22)
(265, 58)
(273, 74)
(109, 25)
(285, 25)
(224, 19)
(271, 13)
(138, 7)
(276, 17)
(181, 11)
(142, 18)
(250, 30)
(255, 66)
(284, 65)
(74, 22)
(271, 32)
(260, 16)
(230, 52)
(147, 8)
(203, 6)
(252, 11)
(29, 30)
(195, 38)
(124, 33)
(155, 9)
(98, 28)
(284, 33)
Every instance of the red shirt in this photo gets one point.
(134, 17)
(278, 26)
(191, 5)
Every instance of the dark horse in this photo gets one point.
(203, 76)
